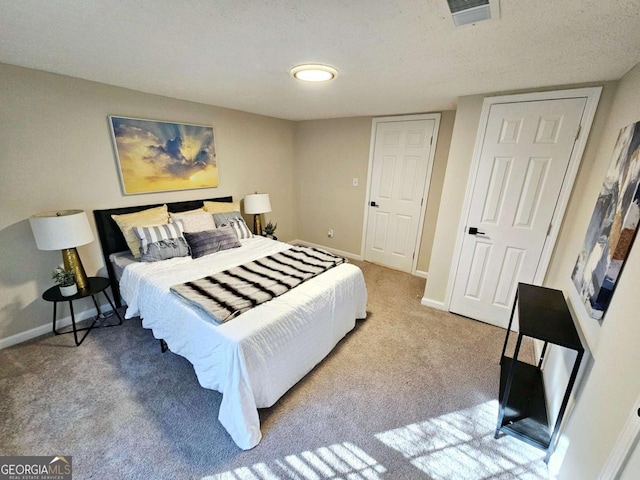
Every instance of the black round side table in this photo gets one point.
(96, 285)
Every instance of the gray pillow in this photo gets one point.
(211, 241)
(235, 220)
(166, 249)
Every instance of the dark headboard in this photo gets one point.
(112, 240)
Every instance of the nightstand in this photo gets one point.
(96, 285)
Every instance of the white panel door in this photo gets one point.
(524, 157)
(401, 162)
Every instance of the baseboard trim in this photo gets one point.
(44, 329)
(427, 302)
(324, 247)
(421, 274)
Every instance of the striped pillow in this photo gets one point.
(235, 220)
(211, 241)
(157, 233)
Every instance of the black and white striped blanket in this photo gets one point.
(227, 294)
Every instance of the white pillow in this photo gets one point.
(194, 221)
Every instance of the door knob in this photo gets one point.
(474, 231)
(374, 204)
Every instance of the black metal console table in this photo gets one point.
(543, 314)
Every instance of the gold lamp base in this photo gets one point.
(72, 262)
(257, 224)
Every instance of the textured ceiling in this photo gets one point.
(392, 56)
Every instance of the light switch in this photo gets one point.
(354, 183)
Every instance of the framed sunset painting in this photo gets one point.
(155, 156)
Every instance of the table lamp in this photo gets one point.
(64, 230)
(257, 204)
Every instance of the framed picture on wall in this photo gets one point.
(613, 226)
(155, 156)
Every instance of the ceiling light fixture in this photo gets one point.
(314, 73)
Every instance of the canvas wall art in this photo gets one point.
(158, 156)
(612, 228)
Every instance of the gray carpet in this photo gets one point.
(410, 393)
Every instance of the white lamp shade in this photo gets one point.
(257, 203)
(60, 230)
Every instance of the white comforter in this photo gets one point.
(255, 358)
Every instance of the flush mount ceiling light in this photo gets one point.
(314, 73)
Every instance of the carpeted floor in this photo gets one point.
(410, 393)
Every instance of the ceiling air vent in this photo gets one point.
(469, 11)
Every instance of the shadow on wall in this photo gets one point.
(19, 255)
(25, 274)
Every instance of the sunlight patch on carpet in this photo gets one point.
(342, 460)
(460, 445)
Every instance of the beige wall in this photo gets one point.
(329, 153)
(453, 189)
(57, 153)
(613, 384)
(435, 188)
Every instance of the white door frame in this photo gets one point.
(593, 96)
(621, 450)
(401, 118)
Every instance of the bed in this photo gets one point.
(254, 358)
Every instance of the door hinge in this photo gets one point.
(431, 142)
(549, 229)
(578, 132)
(421, 201)
(413, 257)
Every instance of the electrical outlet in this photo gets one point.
(330, 233)
(355, 182)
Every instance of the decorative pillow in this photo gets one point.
(194, 221)
(211, 241)
(166, 249)
(156, 233)
(221, 207)
(161, 242)
(235, 220)
(150, 216)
